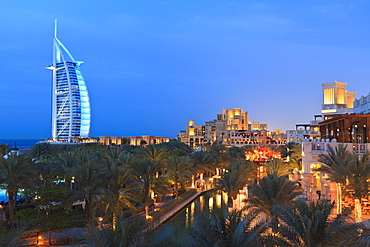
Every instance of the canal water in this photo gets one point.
(177, 228)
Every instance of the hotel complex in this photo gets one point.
(336, 100)
(344, 121)
(70, 99)
(132, 140)
(232, 128)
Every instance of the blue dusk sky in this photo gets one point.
(150, 66)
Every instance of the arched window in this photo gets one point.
(358, 132)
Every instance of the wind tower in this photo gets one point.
(70, 100)
(336, 98)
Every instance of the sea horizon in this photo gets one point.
(21, 143)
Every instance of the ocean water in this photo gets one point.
(20, 143)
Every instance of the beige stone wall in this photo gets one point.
(133, 140)
(314, 181)
(219, 129)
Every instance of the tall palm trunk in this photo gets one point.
(114, 221)
(339, 198)
(176, 187)
(146, 197)
(358, 212)
(12, 197)
(88, 209)
(230, 201)
(182, 186)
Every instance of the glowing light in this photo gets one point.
(192, 211)
(218, 200)
(329, 110)
(191, 132)
(210, 202)
(187, 218)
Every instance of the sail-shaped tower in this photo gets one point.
(70, 99)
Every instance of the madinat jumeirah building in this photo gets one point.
(233, 128)
(70, 99)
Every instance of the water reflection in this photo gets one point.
(210, 204)
(181, 223)
(187, 217)
(192, 212)
(219, 200)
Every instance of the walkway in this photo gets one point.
(158, 205)
(174, 211)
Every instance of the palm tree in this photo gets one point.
(296, 162)
(156, 154)
(223, 228)
(40, 149)
(91, 180)
(236, 177)
(291, 149)
(236, 153)
(115, 153)
(143, 143)
(219, 153)
(295, 150)
(16, 172)
(120, 192)
(127, 234)
(310, 224)
(249, 149)
(272, 190)
(358, 174)
(335, 163)
(69, 160)
(202, 162)
(358, 186)
(146, 171)
(278, 166)
(173, 145)
(4, 149)
(272, 150)
(10, 237)
(49, 169)
(178, 169)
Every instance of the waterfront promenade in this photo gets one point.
(174, 211)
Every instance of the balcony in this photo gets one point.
(360, 148)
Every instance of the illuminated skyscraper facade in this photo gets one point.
(70, 100)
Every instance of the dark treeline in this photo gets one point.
(56, 187)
